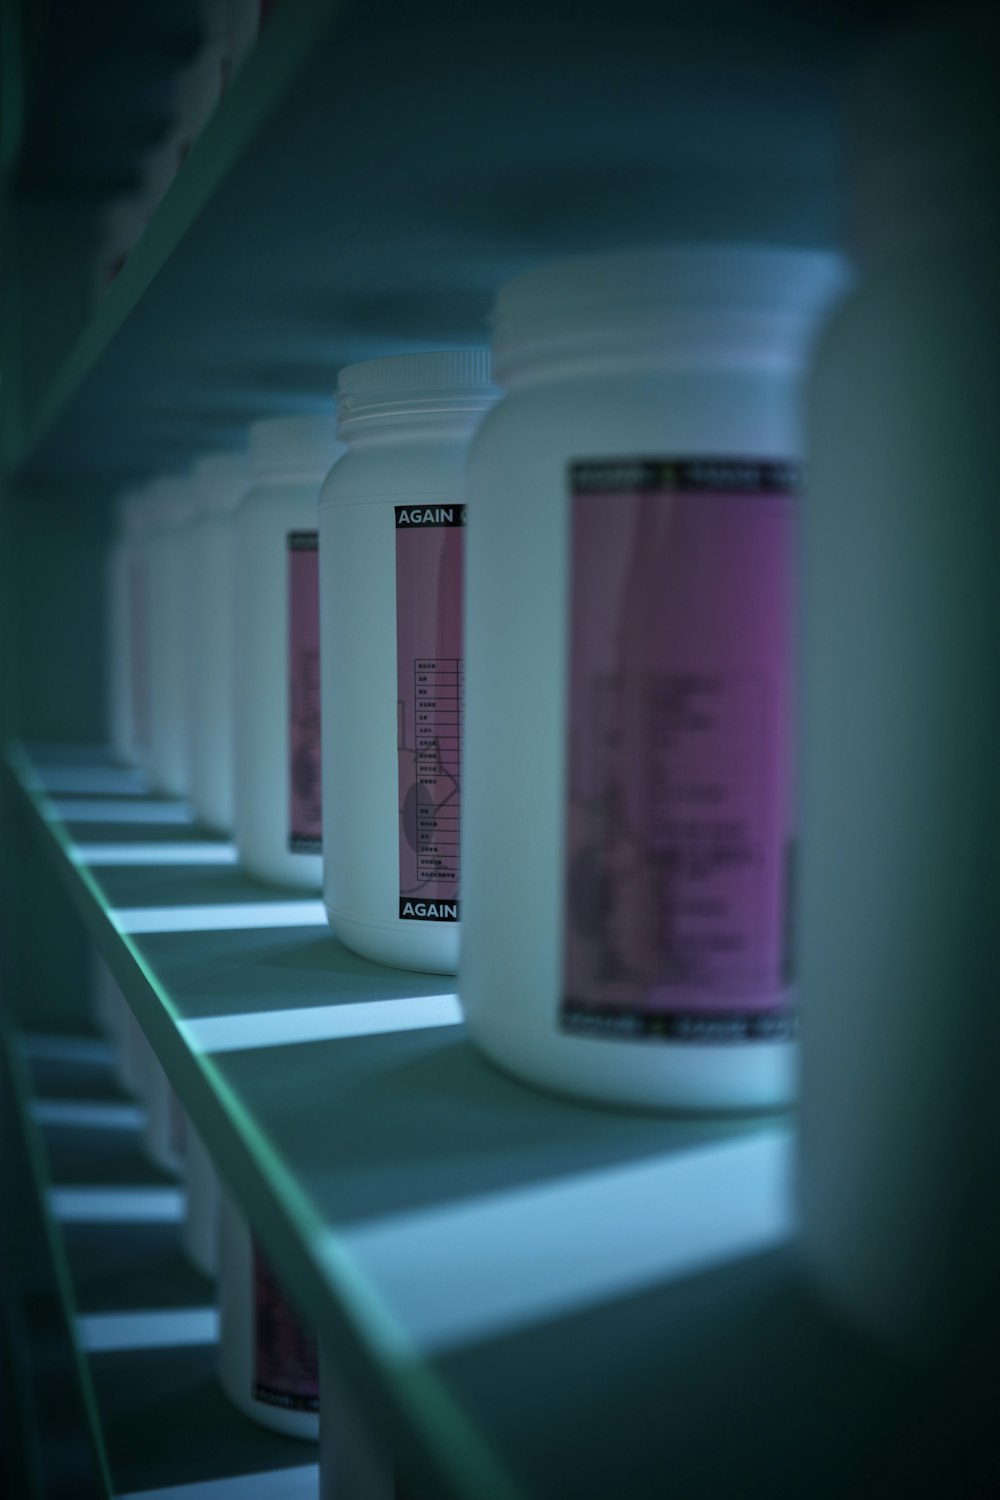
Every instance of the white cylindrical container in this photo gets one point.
(163, 1131)
(200, 1230)
(117, 644)
(172, 501)
(268, 1363)
(392, 525)
(900, 1136)
(276, 788)
(629, 832)
(220, 482)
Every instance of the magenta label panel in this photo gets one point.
(286, 1361)
(680, 818)
(305, 801)
(430, 674)
(138, 626)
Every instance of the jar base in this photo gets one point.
(428, 947)
(665, 1077)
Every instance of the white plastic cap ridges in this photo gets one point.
(439, 381)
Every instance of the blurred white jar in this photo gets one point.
(127, 630)
(629, 826)
(200, 1230)
(163, 1134)
(900, 1131)
(169, 553)
(392, 526)
(268, 1363)
(220, 483)
(276, 788)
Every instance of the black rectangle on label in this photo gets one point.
(414, 909)
(746, 476)
(299, 843)
(698, 1027)
(303, 541)
(268, 1396)
(410, 516)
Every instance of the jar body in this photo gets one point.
(261, 686)
(163, 1132)
(200, 1230)
(117, 656)
(271, 1374)
(521, 928)
(375, 871)
(901, 1113)
(210, 671)
(169, 585)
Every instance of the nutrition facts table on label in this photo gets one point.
(439, 686)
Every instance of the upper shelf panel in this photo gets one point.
(376, 170)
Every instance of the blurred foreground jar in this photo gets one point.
(277, 820)
(900, 1138)
(220, 482)
(392, 527)
(628, 845)
(268, 1363)
(172, 506)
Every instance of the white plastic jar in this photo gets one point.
(172, 503)
(276, 788)
(200, 1230)
(127, 631)
(628, 839)
(268, 1362)
(220, 482)
(900, 1119)
(164, 1130)
(392, 526)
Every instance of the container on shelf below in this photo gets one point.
(268, 1363)
(172, 504)
(200, 1230)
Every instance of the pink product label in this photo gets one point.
(305, 804)
(138, 628)
(679, 853)
(430, 677)
(286, 1361)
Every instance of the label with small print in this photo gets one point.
(286, 1361)
(430, 680)
(680, 818)
(305, 790)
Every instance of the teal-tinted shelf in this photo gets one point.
(529, 1298)
(375, 172)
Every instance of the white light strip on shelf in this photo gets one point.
(134, 810)
(320, 1023)
(106, 781)
(290, 1484)
(152, 1328)
(117, 1205)
(476, 1270)
(220, 917)
(156, 854)
(83, 1114)
(40, 1047)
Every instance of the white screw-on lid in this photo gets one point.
(665, 299)
(435, 383)
(301, 447)
(221, 480)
